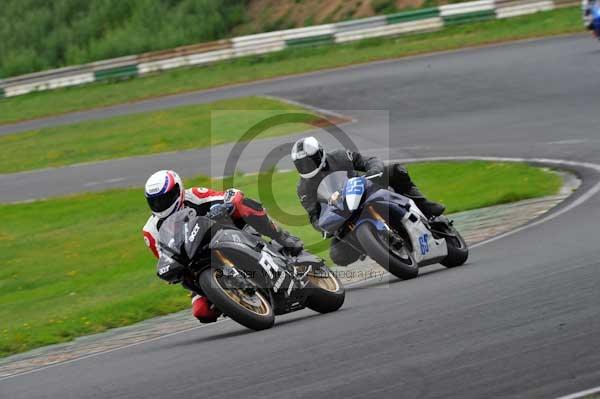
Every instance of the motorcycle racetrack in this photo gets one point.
(520, 319)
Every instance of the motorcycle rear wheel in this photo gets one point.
(327, 292)
(378, 249)
(252, 310)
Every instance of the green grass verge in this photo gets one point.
(77, 265)
(287, 62)
(145, 133)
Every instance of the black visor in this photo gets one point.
(309, 163)
(159, 203)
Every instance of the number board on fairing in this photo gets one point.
(424, 243)
(355, 186)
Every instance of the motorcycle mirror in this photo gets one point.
(374, 176)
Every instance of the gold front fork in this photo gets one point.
(223, 259)
(377, 216)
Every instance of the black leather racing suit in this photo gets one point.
(394, 176)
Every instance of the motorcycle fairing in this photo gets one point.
(195, 232)
(306, 258)
(169, 269)
(596, 12)
(426, 249)
(267, 268)
(395, 204)
(353, 192)
(178, 240)
(332, 218)
(595, 19)
(182, 233)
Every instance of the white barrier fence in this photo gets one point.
(517, 8)
(466, 8)
(262, 43)
(423, 25)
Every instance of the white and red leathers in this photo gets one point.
(201, 199)
(245, 211)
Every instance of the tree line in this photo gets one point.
(37, 35)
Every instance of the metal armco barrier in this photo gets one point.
(424, 13)
(508, 9)
(427, 19)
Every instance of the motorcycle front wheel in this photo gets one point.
(249, 307)
(397, 261)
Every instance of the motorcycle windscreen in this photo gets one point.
(197, 229)
(170, 234)
(182, 232)
(333, 182)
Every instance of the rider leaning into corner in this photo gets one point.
(313, 164)
(166, 195)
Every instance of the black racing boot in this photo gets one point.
(429, 208)
(290, 243)
(400, 181)
(265, 226)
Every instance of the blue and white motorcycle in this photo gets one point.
(591, 17)
(386, 226)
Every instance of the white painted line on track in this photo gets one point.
(572, 141)
(109, 181)
(318, 110)
(251, 174)
(581, 394)
(115, 180)
(556, 162)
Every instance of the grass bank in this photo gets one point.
(288, 62)
(51, 34)
(173, 129)
(77, 265)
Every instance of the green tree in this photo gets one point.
(40, 34)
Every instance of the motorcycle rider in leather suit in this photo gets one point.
(165, 194)
(313, 164)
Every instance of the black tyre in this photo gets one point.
(458, 252)
(327, 294)
(252, 310)
(398, 262)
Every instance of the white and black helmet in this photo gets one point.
(165, 193)
(308, 156)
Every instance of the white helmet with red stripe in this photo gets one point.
(165, 193)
